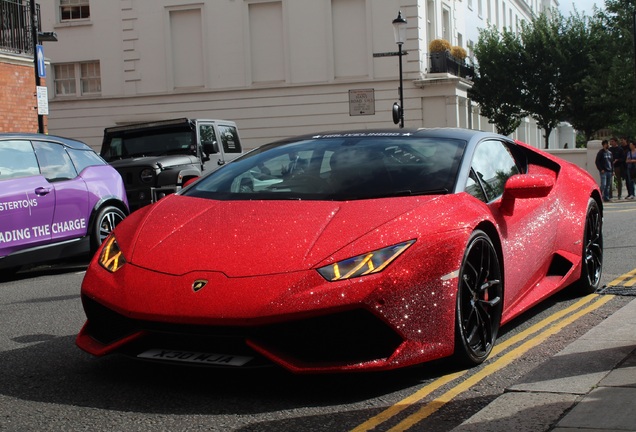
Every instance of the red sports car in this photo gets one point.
(346, 251)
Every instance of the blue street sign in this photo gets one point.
(41, 65)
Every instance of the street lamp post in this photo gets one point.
(36, 37)
(399, 31)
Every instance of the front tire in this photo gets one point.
(479, 301)
(107, 219)
(592, 255)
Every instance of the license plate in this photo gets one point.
(195, 357)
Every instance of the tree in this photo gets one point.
(542, 78)
(590, 103)
(498, 95)
(618, 20)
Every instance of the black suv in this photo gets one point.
(156, 158)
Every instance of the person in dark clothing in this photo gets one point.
(605, 164)
(619, 161)
(629, 180)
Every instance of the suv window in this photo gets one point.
(17, 160)
(492, 165)
(206, 132)
(230, 139)
(55, 163)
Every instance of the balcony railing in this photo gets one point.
(443, 62)
(15, 26)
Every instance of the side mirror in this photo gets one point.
(210, 147)
(524, 186)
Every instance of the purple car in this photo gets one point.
(58, 199)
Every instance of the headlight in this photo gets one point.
(369, 263)
(146, 175)
(111, 258)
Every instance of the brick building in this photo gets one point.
(17, 95)
(18, 101)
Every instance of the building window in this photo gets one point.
(187, 48)
(77, 79)
(90, 78)
(74, 10)
(267, 41)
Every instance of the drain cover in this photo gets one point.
(617, 290)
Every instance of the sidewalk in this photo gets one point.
(589, 386)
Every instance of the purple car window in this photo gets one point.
(17, 160)
(55, 163)
(84, 158)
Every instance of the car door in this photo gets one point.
(27, 199)
(526, 234)
(70, 219)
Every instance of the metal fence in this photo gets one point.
(445, 63)
(15, 26)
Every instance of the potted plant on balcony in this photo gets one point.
(458, 55)
(439, 50)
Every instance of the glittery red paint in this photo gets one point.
(259, 259)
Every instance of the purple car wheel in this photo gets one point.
(105, 222)
(479, 301)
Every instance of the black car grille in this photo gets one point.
(339, 338)
(131, 176)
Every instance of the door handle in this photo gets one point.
(42, 191)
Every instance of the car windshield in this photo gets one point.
(338, 167)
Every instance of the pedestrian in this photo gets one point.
(605, 164)
(630, 171)
(619, 161)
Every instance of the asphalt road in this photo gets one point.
(47, 384)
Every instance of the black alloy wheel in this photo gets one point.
(479, 301)
(592, 257)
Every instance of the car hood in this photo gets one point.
(154, 161)
(248, 238)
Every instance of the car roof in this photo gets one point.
(469, 135)
(69, 142)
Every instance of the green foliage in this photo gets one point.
(618, 21)
(498, 95)
(543, 77)
(578, 69)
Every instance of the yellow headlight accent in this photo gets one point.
(111, 258)
(369, 263)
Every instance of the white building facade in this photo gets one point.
(275, 67)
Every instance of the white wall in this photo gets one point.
(293, 78)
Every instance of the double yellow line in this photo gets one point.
(544, 329)
(626, 280)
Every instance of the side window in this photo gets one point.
(55, 163)
(17, 160)
(84, 158)
(230, 139)
(492, 165)
(206, 134)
